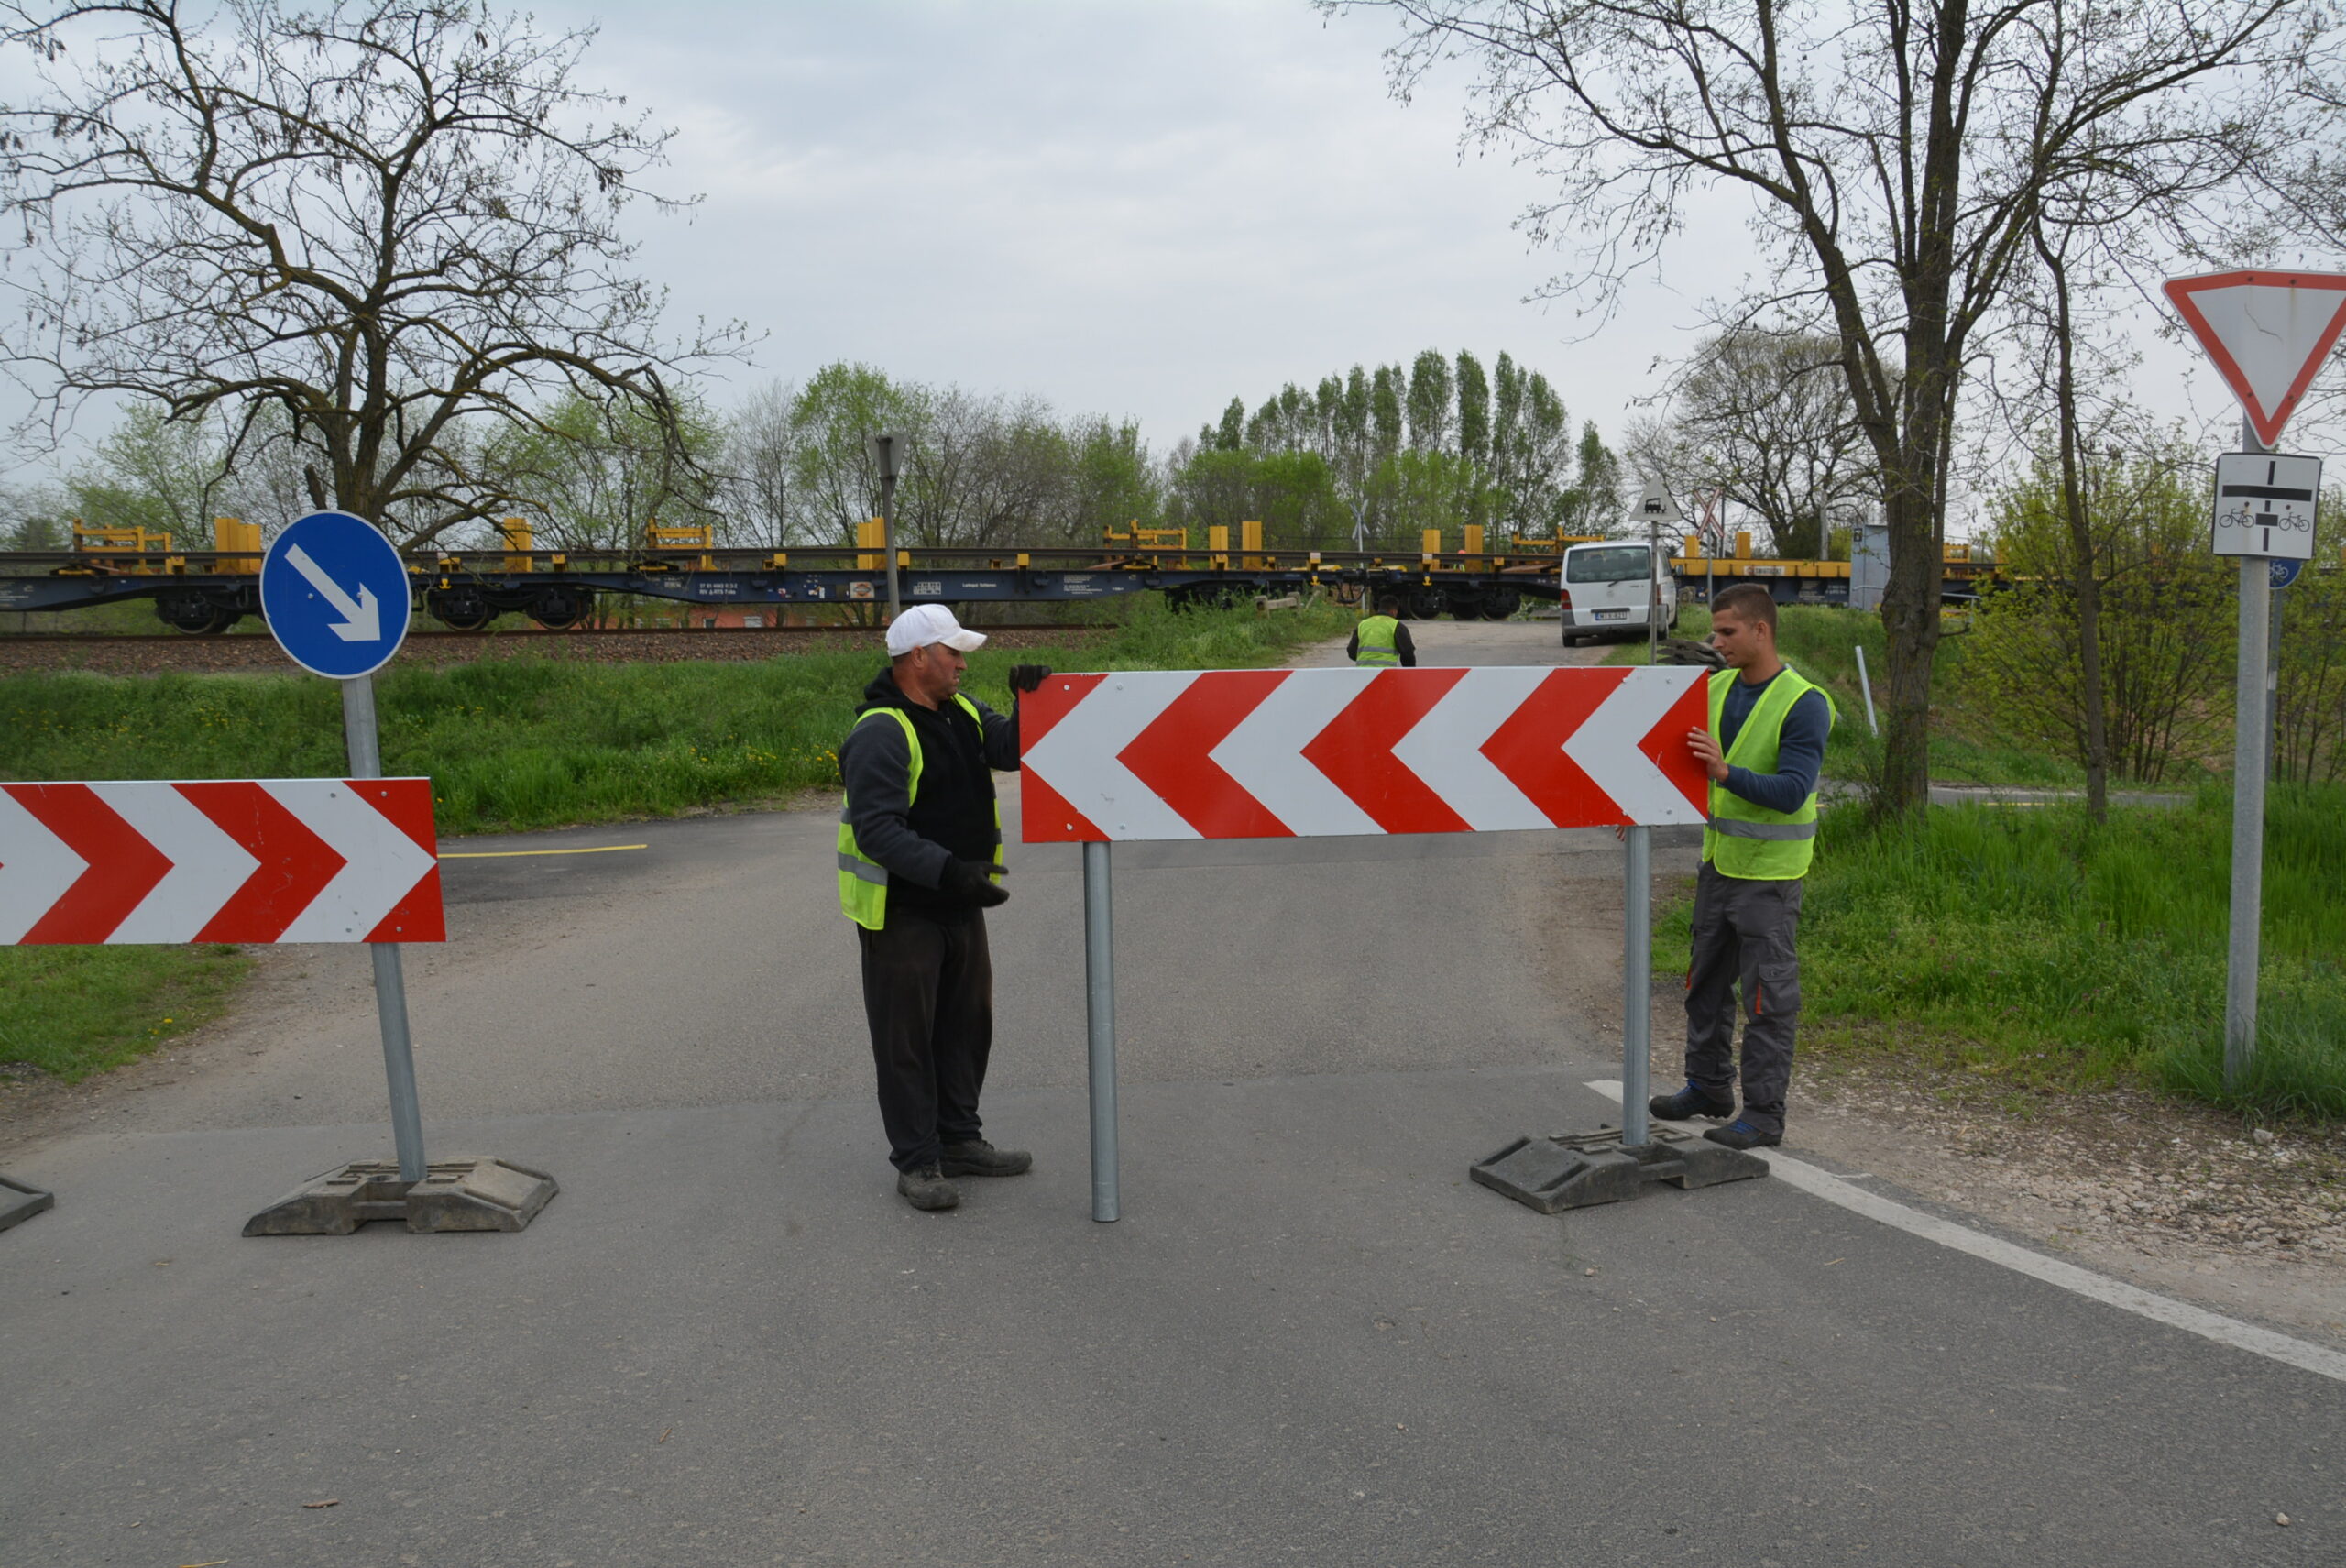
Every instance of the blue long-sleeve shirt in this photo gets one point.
(1800, 749)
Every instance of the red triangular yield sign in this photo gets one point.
(2267, 333)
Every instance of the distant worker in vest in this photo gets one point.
(919, 860)
(1763, 750)
(1381, 642)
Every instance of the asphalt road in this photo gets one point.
(1310, 1338)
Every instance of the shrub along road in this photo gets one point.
(1310, 1338)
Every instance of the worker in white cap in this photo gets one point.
(919, 860)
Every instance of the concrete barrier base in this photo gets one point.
(470, 1193)
(1576, 1170)
(19, 1202)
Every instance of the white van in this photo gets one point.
(1608, 592)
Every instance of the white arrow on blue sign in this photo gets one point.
(335, 595)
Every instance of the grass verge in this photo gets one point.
(2034, 945)
(71, 1011)
(526, 743)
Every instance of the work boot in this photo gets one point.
(1742, 1135)
(980, 1157)
(1690, 1102)
(926, 1188)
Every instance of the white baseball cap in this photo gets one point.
(926, 624)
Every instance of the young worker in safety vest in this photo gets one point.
(1763, 748)
(920, 858)
(1381, 642)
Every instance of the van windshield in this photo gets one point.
(1612, 564)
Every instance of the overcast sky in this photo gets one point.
(1136, 208)
(1130, 207)
(1133, 209)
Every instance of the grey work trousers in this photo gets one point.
(928, 996)
(1745, 933)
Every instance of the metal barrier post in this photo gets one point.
(1637, 982)
(391, 982)
(1100, 1018)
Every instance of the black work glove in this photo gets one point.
(967, 883)
(1027, 677)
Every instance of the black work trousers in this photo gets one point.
(1746, 934)
(928, 994)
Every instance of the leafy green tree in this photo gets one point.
(977, 470)
(1426, 489)
(2165, 611)
(34, 518)
(596, 475)
(153, 472)
(2310, 716)
(1473, 410)
(1291, 494)
(1429, 400)
(1384, 412)
(380, 221)
(839, 407)
(1495, 449)
(1112, 481)
(1532, 455)
(1231, 434)
(1593, 503)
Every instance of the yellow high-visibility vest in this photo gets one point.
(1376, 642)
(1751, 841)
(863, 881)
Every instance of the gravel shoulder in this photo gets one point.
(2175, 1196)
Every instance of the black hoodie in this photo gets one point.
(954, 817)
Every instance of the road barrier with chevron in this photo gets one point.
(1169, 755)
(220, 860)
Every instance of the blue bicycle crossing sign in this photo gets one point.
(336, 596)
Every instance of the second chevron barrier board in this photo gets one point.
(1204, 754)
(219, 860)
(1299, 753)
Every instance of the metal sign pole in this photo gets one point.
(1637, 982)
(2249, 723)
(2273, 677)
(888, 540)
(1100, 1019)
(391, 982)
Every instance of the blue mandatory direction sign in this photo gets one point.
(336, 596)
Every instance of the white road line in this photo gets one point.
(2110, 1292)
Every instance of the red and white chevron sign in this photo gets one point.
(1297, 753)
(220, 860)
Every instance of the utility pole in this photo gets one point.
(887, 449)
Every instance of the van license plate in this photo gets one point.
(1612, 615)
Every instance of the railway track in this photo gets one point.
(158, 654)
(525, 633)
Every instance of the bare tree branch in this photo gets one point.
(387, 220)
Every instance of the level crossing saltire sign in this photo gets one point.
(335, 595)
(220, 860)
(1300, 753)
